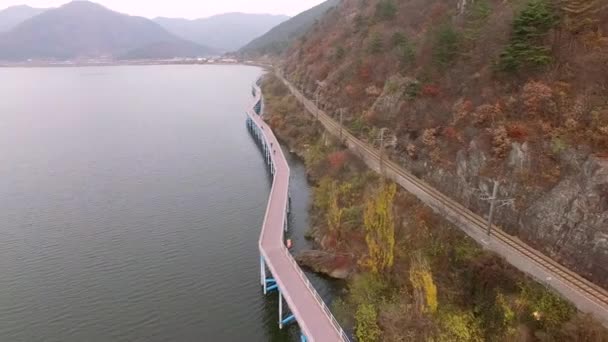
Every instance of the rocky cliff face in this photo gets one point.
(569, 221)
(566, 217)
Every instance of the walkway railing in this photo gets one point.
(318, 298)
(316, 320)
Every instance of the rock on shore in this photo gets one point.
(338, 266)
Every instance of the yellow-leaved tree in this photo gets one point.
(380, 229)
(334, 211)
(425, 290)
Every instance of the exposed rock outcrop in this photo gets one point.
(571, 220)
(568, 221)
(336, 266)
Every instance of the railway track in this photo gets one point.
(584, 287)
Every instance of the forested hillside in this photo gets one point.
(278, 39)
(411, 275)
(473, 92)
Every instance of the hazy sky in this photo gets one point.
(185, 8)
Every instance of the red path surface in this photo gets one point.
(315, 320)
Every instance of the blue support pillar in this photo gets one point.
(267, 154)
(263, 273)
(303, 338)
(280, 310)
(284, 321)
(270, 285)
(288, 320)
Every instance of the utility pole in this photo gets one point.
(317, 102)
(382, 130)
(341, 121)
(495, 202)
(492, 205)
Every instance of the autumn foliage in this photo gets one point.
(431, 90)
(380, 228)
(337, 160)
(536, 97)
(448, 80)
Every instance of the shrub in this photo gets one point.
(486, 112)
(358, 126)
(527, 46)
(386, 10)
(459, 327)
(431, 90)
(477, 18)
(446, 47)
(403, 47)
(462, 108)
(337, 160)
(367, 288)
(406, 53)
(315, 155)
(498, 318)
(341, 311)
(365, 72)
(501, 143)
(367, 329)
(451, 133)
(360, 23)
(322, 193)
(376, 44)
(544, 306)
(518, 131)
(413, 90)
(340, 53)
(398, 39)
(334, 212)
(429, 137)
(537, 97)
(352, 216)
(411, 150)
(558, 145)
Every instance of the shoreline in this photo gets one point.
(85, 65)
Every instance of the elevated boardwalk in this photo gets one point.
(279, 271)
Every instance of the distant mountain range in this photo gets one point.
(280, 37)
(15, 15)
(83, 29)
(224, 32)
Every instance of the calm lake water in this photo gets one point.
(131, 200)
